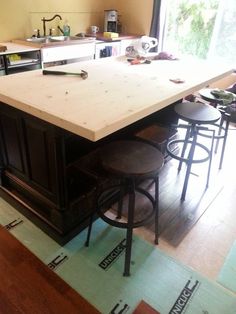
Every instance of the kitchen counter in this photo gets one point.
(13, 47)
(115, 93)
(54, 43)
(99, 36)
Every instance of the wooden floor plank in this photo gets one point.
(29, 286)
(145, 308)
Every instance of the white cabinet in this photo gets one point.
(68, 52)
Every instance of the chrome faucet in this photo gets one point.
(44, 20)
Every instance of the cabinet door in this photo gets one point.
(13, 152)
(41, 156)
(30, 160)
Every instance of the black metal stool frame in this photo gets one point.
(131, 184)
(218, 103)
(192, 130)
(225, 117)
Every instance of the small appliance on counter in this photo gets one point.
(111, 21)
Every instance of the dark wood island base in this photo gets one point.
(50, 174)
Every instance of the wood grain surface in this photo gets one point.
(115, 94)
(29, 286)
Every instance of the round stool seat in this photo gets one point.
(197, 113)
(128, 158)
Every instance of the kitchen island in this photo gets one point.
(51, 127)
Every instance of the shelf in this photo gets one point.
(20, 61)
(23, 63)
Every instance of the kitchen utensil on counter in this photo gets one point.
(83, 73)
(139, 60)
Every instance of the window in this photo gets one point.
(204, 29)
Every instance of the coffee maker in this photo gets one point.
(110, 22)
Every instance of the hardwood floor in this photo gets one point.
(29, 286)
(206, 244)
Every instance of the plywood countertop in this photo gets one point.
(114, 95)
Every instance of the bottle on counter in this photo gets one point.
(66, 28)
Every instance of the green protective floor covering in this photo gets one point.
(96, 272)
(227, 276)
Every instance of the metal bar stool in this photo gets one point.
(197, 115)
(131, 162)
(223, 126)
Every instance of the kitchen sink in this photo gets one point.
(64, 38)
(36, 39)
(51, 39)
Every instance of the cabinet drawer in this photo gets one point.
(52, 54)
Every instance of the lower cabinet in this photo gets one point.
(38, 169)
(68, 53)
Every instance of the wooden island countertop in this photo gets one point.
(114, 95)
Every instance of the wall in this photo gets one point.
(136, 15)
(18, 19)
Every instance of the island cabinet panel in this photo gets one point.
(13, 150)
(41, 157)
(39, 169)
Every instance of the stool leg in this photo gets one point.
(89, 230)
(187, 135)
(129, 234)
(156, 209)
(210, 158)
(91, 222)
(120, 201)
(189, 165)
(224, 143)
(219, 133)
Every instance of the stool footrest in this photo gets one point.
(185, 159)
(124, 225)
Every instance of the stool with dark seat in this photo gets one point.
(130, 162)
(197, 115)
(226, 118)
